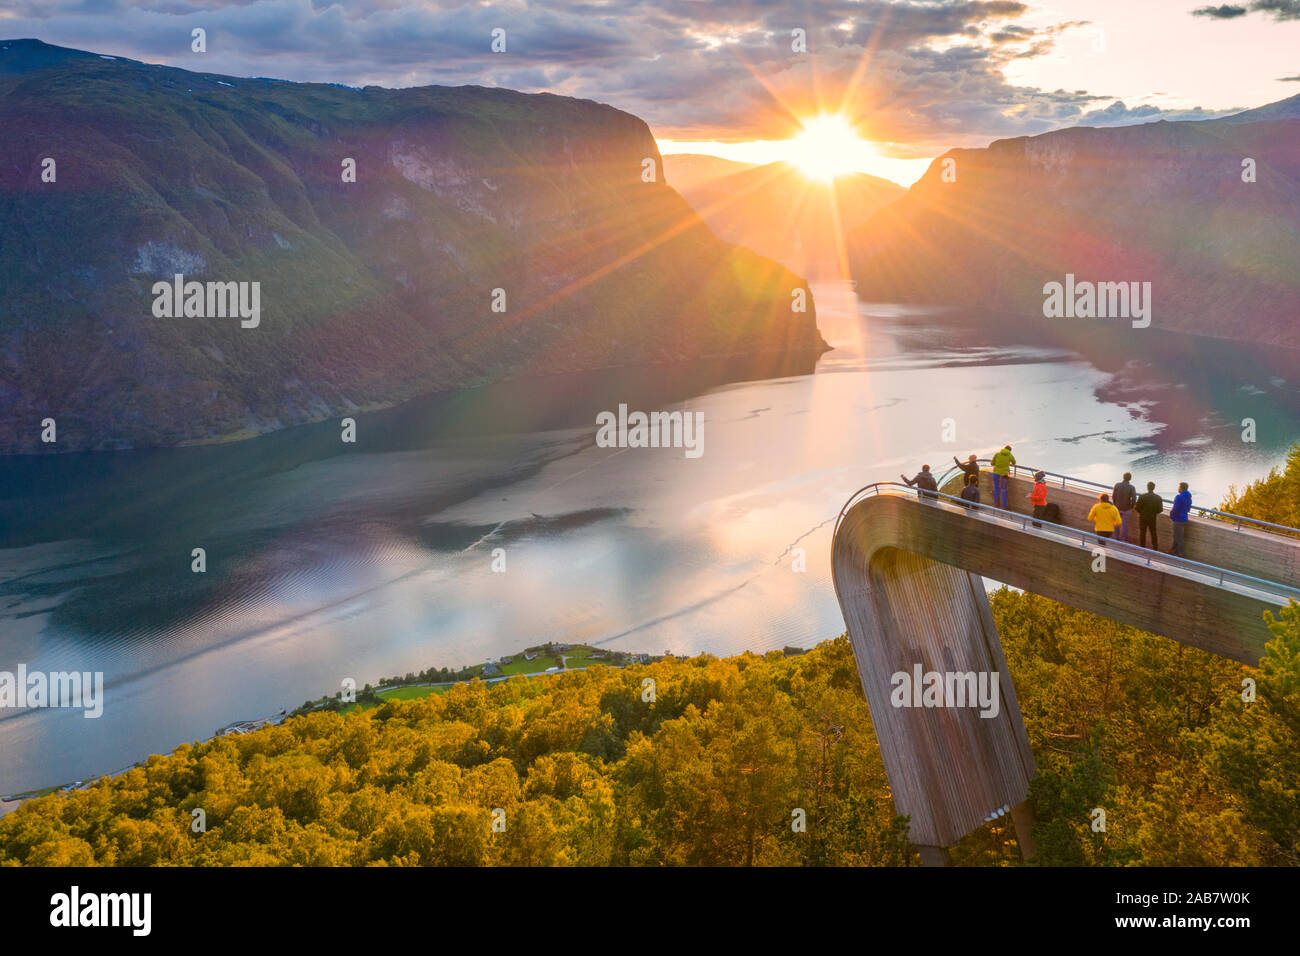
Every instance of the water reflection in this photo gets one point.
(328, 561)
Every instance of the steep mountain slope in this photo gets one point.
(1163, 203)
(371, 291)
(777, 211)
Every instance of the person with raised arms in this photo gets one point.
(923, 480)
(969, 467)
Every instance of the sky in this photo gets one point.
(734, 78)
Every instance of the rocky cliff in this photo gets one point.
(488, 235)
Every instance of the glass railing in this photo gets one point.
(1067, 481)
(1040, 527)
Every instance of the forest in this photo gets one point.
(744, 761)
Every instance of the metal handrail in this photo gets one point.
(1203, 511)
(1046, 528)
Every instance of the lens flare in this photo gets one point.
(826, 147)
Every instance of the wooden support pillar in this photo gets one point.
(934, 856)
(1023, 819)
(949, 767)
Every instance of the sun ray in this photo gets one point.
(848, 97)
(772, 92)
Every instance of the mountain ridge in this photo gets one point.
(1163, 202)
(372, 291)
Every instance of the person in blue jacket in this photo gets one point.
(1178, 515)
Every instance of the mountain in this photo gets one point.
(778, 212)
(1163, 203)
(1287, 109)
(370, 291)
(685, 171)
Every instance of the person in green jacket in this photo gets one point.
(1002, 463)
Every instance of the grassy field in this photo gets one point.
(43, 792)
(579, 655)
(521, 666)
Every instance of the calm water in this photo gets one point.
(328, 561)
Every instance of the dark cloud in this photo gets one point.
(1288, 79)
(1278, 9)
(1222, 12)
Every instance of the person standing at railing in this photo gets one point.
(1178, 514)
(1002, 463)
(1149, 506)
(923, 480)
(1104, 517)
(970, 467)
(1124, 497)
(972, 490)
(1038, 497)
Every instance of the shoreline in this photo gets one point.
(11, 802)
(251, 432)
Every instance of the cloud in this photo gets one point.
(925, 75)
(1223, 12)
(1279, 9)
(1119, 114)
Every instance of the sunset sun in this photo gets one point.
(826, 147)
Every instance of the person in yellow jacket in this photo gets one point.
(1002, 463)
(1104, 516)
